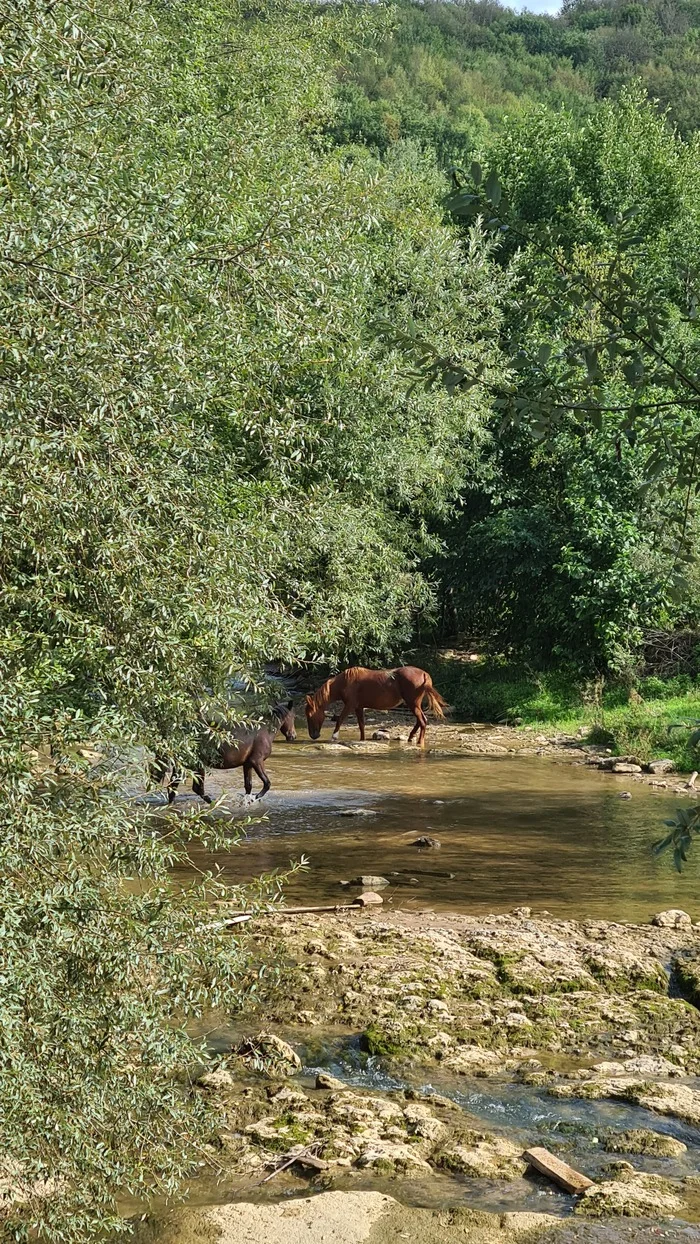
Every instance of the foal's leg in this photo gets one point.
(360, 714)
(198, 785)
(159, 770)
(176, 778)
(248, 778)
(258, 766)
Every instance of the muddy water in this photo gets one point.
(513, 831)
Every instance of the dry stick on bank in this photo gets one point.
(368, 899)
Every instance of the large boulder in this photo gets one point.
(672, 919)
(631, 1194)
(482, 1156)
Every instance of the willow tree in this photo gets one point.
(207, 462)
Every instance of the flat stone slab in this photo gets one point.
(559, 1172)
(330, 1218)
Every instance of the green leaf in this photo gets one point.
(492, 188)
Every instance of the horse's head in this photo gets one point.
(315, 717)
(285, 716)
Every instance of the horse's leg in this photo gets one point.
(248, 777)
(159, 770)
(345, 710)
(198, 785)
(175, 780)
(259, 769)
(360, 714)
(421, 720)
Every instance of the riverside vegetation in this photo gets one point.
(214, 281)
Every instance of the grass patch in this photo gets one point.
(661, 723)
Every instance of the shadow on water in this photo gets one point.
(513, 831)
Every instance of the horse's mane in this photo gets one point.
(324, 695)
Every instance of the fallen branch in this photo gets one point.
(301, 1156)
(356, 905)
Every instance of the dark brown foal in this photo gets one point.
(249, 751)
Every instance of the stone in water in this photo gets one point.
(369, 899)
(672, 919)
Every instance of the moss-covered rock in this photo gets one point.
(631, 1194)
(686, 970)
(503, 985)
(483, 1156)
(643, 1141)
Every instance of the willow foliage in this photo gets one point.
(207, 462)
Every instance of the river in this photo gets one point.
(532, 831)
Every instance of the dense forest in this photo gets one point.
(325, 332)
(451, 75)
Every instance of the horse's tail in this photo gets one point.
(435, 700)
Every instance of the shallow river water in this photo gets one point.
(531, 831)
(514, 831)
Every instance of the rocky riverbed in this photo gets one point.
(498, 994)
(585, 1016)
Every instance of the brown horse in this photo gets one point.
(359, 689)
(249, 751)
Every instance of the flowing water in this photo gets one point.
(532, 831)
(513, 831)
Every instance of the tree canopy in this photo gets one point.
(209, 461)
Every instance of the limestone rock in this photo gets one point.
(472, 1060)
(326, 1081)
(343, 1217)
(621, 766)
(652, 1066)
(426, 842)
(632, 1195)
(642, 1141)
(672, 919)
(422, 1122)
(484, 1157)
(660, 766)
(357, 1110)
(677, 1100)
(370, 882)
(389, 1157)
(268, 1050)
(219, 1080)
(369, 899)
